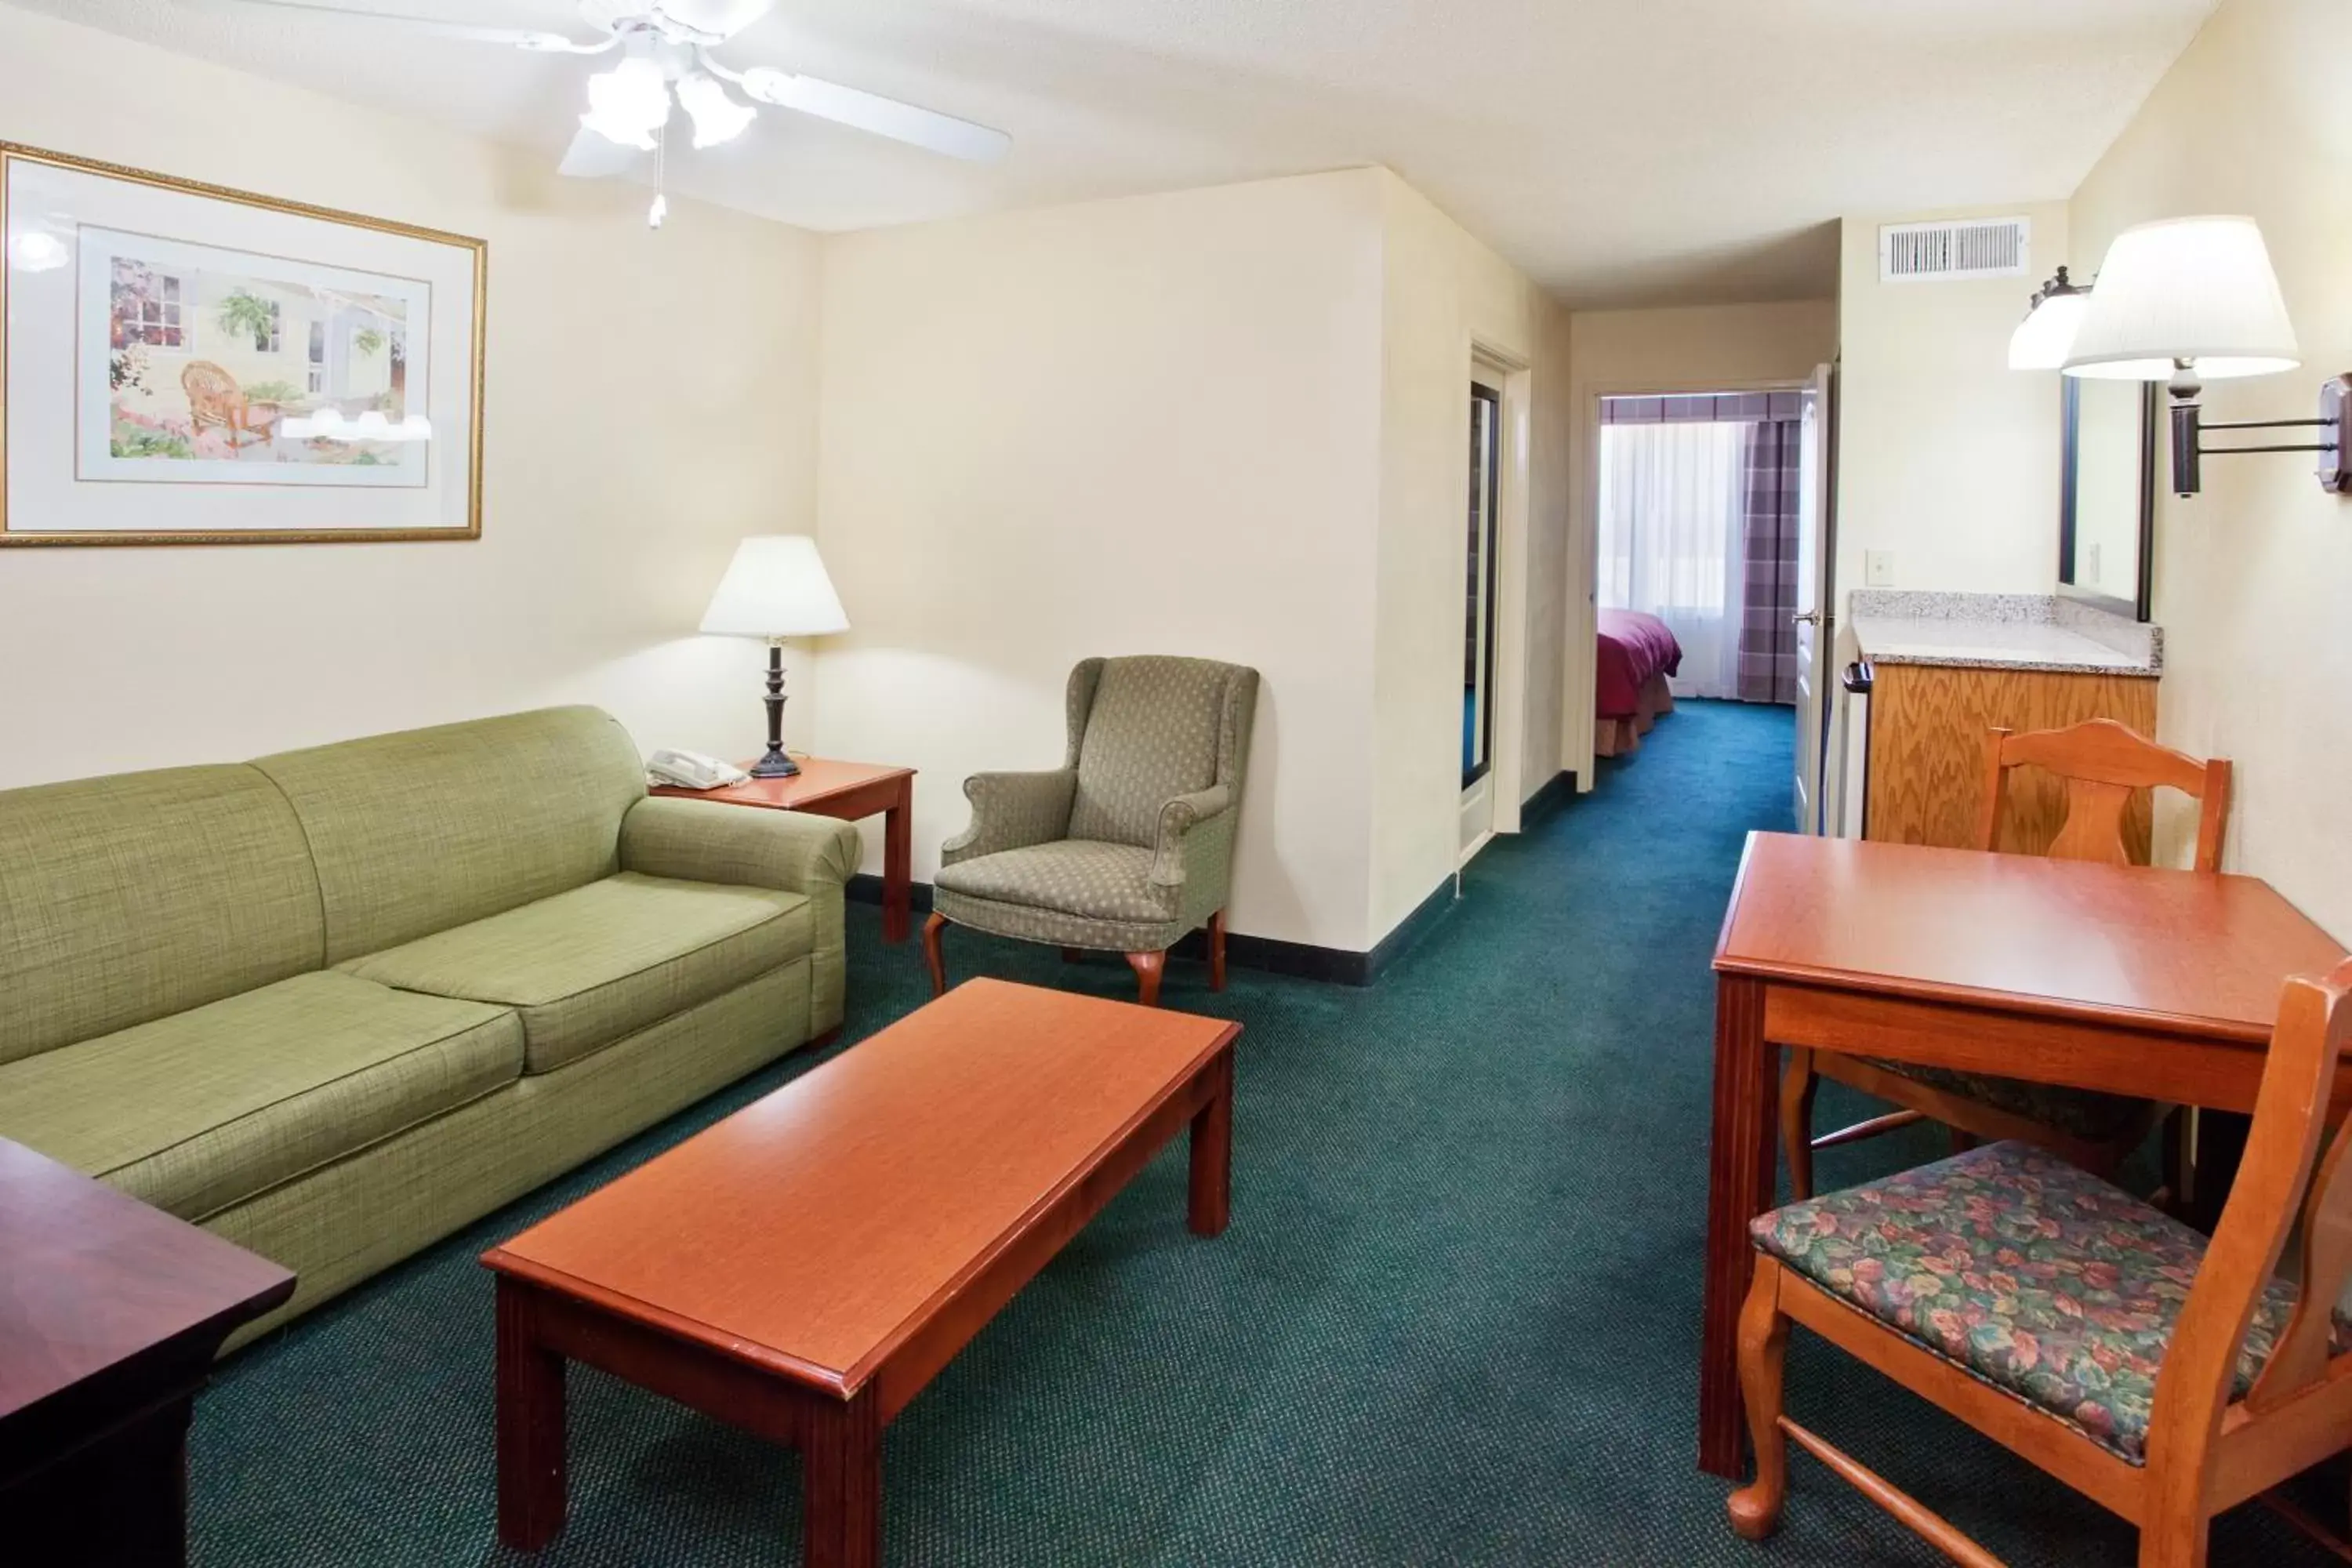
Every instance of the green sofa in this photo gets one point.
(335, 1003)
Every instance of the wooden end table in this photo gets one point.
(111, 1313)
(846, 790)
(766, 1272)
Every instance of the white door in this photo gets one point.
(1815, 617)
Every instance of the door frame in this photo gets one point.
(1584, 553)
(1511, 374)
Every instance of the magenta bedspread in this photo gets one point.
(1633, 647)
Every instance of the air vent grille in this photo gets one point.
(1942, 252)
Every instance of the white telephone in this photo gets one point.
(692, 770)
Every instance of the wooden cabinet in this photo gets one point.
(1927, 724)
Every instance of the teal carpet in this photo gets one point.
(1454, 1320)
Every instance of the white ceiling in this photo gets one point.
(1622, 151)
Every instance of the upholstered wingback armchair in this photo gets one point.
(1128, 845)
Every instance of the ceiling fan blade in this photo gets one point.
(521, 37)
(718, 18)
(882, 116)
(594, 156)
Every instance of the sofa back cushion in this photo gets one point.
(127, 898)
(416, 832)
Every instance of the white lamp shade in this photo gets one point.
(775, 587)
(2046, 339)
(2196, 289)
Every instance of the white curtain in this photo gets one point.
(1672, 500)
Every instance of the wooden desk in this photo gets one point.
(845, 791)
(2157, 984)
(804, 1267)
(111, 1313)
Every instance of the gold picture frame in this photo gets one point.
(211, 448)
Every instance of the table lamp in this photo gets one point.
(775, 588)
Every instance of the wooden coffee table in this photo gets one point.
(804, 1267)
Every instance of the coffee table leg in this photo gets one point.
(1213, 1153)
(841, 1485)
(530, 1425)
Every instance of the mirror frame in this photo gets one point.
(2143, 606)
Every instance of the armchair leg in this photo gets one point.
(931, 928)
(1217, 951)
(1148, 967)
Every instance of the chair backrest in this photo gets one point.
(1146, 729)
(2103, 764)
(2277, 1190)
(209, 387)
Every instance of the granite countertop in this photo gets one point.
(2001, 631)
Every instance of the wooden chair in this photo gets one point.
(2165, 1402)
(214, 398)
(2103, 762)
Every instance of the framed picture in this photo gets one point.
(184, 364)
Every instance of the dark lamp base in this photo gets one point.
(774, 765)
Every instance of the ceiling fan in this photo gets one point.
(666, 60)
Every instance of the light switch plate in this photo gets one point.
(1878, 568)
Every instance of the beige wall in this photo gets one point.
(1448, 298)
(1946, 456)
(2252, 576)
(1692, 348)
(650, 398)
(1227, 423)
(1146, 425)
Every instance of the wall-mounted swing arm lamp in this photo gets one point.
(2195, 299)
(2046, 337)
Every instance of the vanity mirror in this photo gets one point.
(2106, 498)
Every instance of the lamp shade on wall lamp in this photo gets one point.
(775, 587)
(2046, 339)
(2197, 292)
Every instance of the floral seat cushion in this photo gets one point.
(2025, 1272)
(2086, 1114)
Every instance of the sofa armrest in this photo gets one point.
(1177, 857)
(1013, 811)
(709, 841)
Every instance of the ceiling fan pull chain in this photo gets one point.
(660, 209)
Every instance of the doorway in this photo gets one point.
(1709, 566)
(1480, 621)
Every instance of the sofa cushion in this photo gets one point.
(2026, 1272)
(1079, 877)
(208, 1107)
(416, 832)
(135, 897)
(589, 967)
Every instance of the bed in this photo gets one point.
(1636, 654)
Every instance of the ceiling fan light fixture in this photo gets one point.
(716, 117)
(628, 103)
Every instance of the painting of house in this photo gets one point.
(212, 357)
